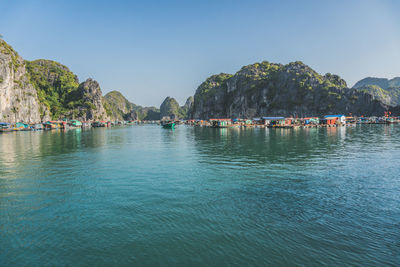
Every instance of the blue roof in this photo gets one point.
(333, 116)
(4, 123)
(273, 118)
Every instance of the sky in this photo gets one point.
(149, 50)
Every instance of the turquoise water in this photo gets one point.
(148, 196)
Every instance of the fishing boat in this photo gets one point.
(168, 124)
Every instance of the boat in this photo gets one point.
(168, 124)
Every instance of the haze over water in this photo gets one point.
(144, 195)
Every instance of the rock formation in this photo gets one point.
(34, 91)
(268, 89)
(92, 108)
(18, 98)
(170, 108)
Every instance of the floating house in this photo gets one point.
(49, 125)
(37, 127)
(86, 124)
(310, 121)
(21, 125)
(257, 121)
(277, 121)
(5, 127)
(272, 120)
(334, 119)
(101, 124)
(221, 123)
(75, 123)
(350, 120)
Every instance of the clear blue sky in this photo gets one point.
(152, 49)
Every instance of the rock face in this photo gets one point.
(18, 98)
(40, 90)
(59, 90)
(211, 98)
(395, 111)
(186, 109)
(92, 97)
(268, 89)
(385, 90)
(170, 108)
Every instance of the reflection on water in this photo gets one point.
(152, 196)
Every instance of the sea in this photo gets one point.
(147, 196)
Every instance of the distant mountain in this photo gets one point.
(269, 89)
(121, 109)
(118, 106)
(385, 90)
(381, 82)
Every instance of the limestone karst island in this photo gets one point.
(199, 133)
(44, 94)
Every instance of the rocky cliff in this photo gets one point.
(268, 89)
(18, 98)
(40, 90)
(385, 90)
(186, 109)
(92, 108)
(59, 90)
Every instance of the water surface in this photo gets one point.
(144, 195)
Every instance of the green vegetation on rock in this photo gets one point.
(56, 86)
(170, 108)
(266, 88)
(5, 48)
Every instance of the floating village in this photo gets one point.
(167, 122)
